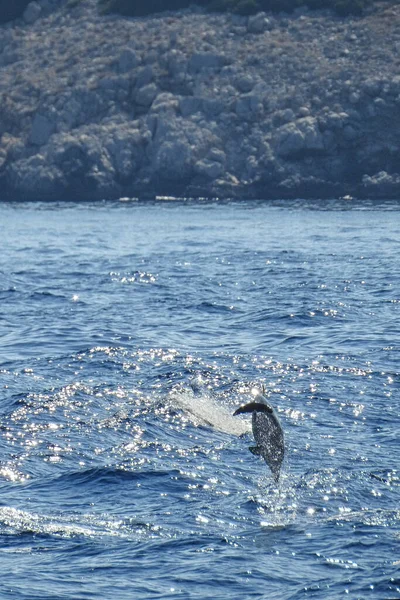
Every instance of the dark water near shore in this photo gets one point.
(129, 334)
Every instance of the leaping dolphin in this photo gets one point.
(267, 432)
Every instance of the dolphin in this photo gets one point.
(267, 432)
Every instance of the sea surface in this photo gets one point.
(130, 332)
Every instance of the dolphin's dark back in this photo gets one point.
(267, 432)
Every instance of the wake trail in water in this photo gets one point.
(15, 521)
(203, 410)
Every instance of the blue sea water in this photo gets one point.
(130, 332)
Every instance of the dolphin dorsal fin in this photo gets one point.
(254, 407)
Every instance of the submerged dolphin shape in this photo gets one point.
(267, 432)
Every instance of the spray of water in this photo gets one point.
(203, 410)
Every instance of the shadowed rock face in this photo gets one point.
(254, 8)
(199, 104)
(138, 9)
(12, 9)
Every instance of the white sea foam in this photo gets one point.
(203, 410)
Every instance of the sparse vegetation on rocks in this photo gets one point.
(198, 103)
(137, 8)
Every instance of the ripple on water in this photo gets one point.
(126, 352)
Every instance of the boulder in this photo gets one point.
(84, 160)
(42, 129)
(212, 107)
(395, 85)
(124, 145)
(209, 169)
(67, 152)
(176, 64)
(381, 184)
(3, 158)
(249, 106)
(252, 167)
(302, 136)
(217, 155)
(334, 121)
(127, 61)
(206, 60)
(244, 83)
(14, 146)
(281, 117)
(189, 105)
(145, 95)
(350, 133)
(145, 76)
(303, 112)
(45, 4)
(258, 23)
(372, 86)
(312, 135)
(165, 102)
(32, 12)
(173, 161)
(177, 145)
(34, 176)
(354, 97)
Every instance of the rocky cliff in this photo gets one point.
(197, 104)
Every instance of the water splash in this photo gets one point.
(202, 410)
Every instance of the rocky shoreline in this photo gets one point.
(194, 104)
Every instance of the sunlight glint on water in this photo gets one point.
(130, 334)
